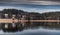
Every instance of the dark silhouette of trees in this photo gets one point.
(52, 15)
(45, 16)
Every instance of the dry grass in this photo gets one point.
(15, 21)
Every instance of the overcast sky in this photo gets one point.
(22, 4)
(37, 2)
(33, 8)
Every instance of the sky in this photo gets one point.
(36, 2)
(32, 8)
(40, 6)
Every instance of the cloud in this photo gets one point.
(28, 9)
(45, 2)
(37, 2)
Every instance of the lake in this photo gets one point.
(32, 29)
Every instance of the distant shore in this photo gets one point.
(16, 20)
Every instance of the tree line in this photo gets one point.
(43, 16)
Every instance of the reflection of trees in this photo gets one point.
(11, 28)
(19, 27)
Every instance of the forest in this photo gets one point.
(31, 15)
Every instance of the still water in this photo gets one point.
(32, 29)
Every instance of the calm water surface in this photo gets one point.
(36, 29)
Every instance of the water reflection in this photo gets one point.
(29, 28)
(15, 27)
